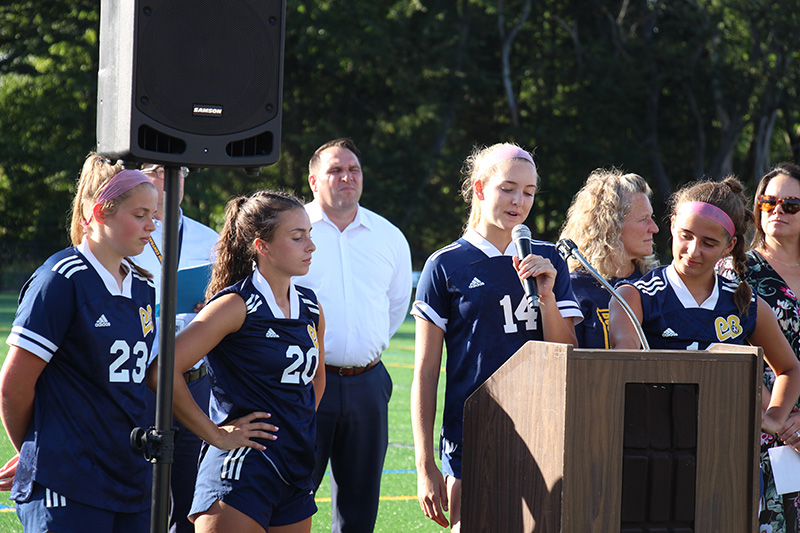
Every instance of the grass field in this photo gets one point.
(399, 510)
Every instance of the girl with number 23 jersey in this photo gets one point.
(73, 384)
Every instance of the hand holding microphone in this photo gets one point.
(521, 235)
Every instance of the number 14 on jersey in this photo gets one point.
(523, 313)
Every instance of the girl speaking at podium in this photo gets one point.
(470, 298)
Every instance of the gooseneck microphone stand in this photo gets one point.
(157, 443)
(566, 249)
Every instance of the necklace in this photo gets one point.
(766, 252)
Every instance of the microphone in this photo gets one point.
(521, 235)
(567, 248)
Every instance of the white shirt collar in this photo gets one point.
(108, 278)
(263, 286)
(685, 296)
(480, 242)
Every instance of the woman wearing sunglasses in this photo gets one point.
(773, 264)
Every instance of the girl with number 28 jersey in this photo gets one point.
(686, 305)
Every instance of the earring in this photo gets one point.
(478, 190)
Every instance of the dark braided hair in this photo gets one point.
(729, 196)
(247, 218)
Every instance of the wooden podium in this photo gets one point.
(578, 441)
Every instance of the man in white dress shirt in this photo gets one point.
(196, 244)
(361, 273)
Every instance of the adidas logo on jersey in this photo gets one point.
(102, 322)
(271, 334)
(669, 333)
(475, 283)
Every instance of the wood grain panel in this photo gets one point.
(543, 437)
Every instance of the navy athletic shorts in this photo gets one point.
(450, 453)
(246, 480)
(47, 511)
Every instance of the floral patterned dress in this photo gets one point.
(778, 513)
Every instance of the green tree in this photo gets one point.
(671, 90)
(48, 72)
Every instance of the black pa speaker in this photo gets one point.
(191, 82)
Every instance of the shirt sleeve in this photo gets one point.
(431, 301)
(562, 288)
(400, 288)
(44, 314)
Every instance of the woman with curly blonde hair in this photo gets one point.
(611, 222)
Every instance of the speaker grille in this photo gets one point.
(217, 55)
(153, 140)
(258, 145)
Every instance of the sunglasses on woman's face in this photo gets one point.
(790, 204)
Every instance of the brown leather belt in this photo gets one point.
(195, 374)
(351, 370)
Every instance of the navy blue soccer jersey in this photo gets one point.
(96, 340)
(593, 301)
(472, 292)
(672, 319)
(268, 365)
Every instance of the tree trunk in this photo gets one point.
(507, 46)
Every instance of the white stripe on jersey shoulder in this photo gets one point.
(651, 286)
(69, 258)
(728, 286)
(138, 276)
(731, 287)
(232, 464)
(69, 265)
(312, 306)
(449, 248)
(253, 303)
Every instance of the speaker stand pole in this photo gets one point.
(162, 462)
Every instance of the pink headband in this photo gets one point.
(121, 183)
(504, 153)
(711, 212)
